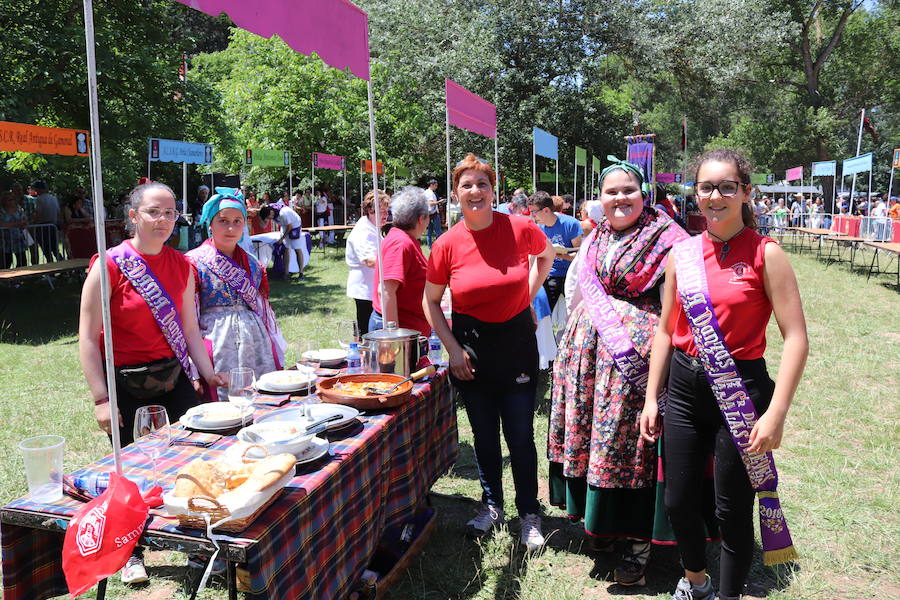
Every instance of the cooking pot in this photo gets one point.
(393, 349)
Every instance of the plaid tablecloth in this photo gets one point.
(317, 538)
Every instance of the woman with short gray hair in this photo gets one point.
(403, 265)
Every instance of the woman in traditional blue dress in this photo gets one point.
(233, 290)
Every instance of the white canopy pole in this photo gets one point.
(377, 197)
(862, 118)
(345, 193)
(497, 169)
(290, 178)
(533, 167)
(100, 230)
(557, 174)
(447, 140)
(575, 185)
(183, 187)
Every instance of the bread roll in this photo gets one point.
(265, 472)
(199, 478)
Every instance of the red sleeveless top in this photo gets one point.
(738, 294)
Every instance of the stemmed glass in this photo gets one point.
(348, 331)
(151, 433)
(308, 363)
(241, 390)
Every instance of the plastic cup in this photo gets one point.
(43, 455)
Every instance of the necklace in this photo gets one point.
(725, 248)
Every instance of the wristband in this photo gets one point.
(101, 401)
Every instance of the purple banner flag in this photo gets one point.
(336, 30)
(328, 161)
(469, 111)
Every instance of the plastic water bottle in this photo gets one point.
(354, 360)
(434, 348)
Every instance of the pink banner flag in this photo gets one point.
(794, 174)
(336, 30)
(470, 112)
(328, 161)
(668, 177)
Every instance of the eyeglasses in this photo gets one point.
(155, 214)
(726, 188)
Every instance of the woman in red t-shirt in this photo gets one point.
(748, 276)
(493, 350)
(403, 265)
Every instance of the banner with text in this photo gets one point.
(826, 168)
(857, 164)
(668, 177)
(162, 150)
(762, 178)
(331, 161)
(256, 157)
(366, 166)
(895, 163)
(19, 137)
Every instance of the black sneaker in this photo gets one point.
(633, 565)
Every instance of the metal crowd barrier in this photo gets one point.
(43, 244)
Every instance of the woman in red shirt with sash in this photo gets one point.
(492, 347)
(721, 289)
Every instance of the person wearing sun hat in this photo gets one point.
(601, 470)
(232, 292)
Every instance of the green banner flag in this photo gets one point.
(546, 177)
(266, 158)
(580, 157)
(401, 172)
(596, 163)
(762, 178)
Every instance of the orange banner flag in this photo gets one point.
(19, 137)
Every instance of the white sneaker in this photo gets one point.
(531, 534)
(134, 571)
(488, 518)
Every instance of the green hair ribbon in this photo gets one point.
(626, 166)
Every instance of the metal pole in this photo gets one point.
(290, 178)
(862, 116)
(497, 170)
(533, 167)
(575, 185)
(345, 193)
(557, 173)
(377, 198)
(447, 140)
(100, 230)
(184, 187)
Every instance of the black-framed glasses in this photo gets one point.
(726, 188)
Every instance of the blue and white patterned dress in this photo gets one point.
(238, 336)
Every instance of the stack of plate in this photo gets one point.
(294, 414)
(328, 357)
(215, 416)
(282, 382)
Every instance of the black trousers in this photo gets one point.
(693, 427)
(177, 402)
(363, 312)
(554, 286)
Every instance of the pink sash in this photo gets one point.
(732, 396)
(138, 273)
(236, 278)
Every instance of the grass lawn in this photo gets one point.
(838, 464)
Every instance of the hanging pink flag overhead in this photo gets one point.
(336, 30)
(328, 161)
(470, 112)
(794, 174)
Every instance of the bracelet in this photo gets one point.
(101, 401)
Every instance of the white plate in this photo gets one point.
(279, 436)
(285, 381)
(317, 411)
(328, 357)
(192, 423)
(316, 449)
(218, 414)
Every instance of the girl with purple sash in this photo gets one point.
(600, 468)
(232, 292)
(155, 336)
(721, 289)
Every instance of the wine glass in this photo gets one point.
(240, 388)
(347, 332)
(308, 363)
(151, 433)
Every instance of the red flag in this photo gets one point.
(103, 533)
(867, 125)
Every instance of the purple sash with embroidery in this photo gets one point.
(613, 335)
(163, 309)
(236, 277)
(732, 396)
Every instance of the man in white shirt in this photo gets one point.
(434, 224)
(292, 238)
